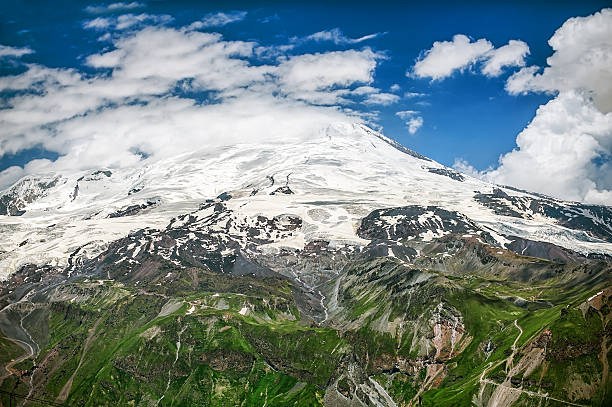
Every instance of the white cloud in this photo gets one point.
(365, 90)
(395, 88)
(414, 124)
(273, 51)
(121, 6)
(156, 58)
(522, 80)
(311, 77)
(374, 96)
(557, 151)
(582, 59)
(126, 21)
(219, 19)
(512, 54)
(336, 36)
(384, 99)
(409, 95)
(566, 150)
(465, 167)
(99, 23)
(445, 57)
(413, 121)
(7, 51)
(130, 102)
(405, 114)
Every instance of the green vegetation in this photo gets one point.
(206, 339)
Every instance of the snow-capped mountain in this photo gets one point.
(329, 182)
(342, 271)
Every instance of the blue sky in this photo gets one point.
(465, 115)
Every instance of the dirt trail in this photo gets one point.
(63, 395)
(532, 393)
(34, 352)
(9, 366)
(504, 393)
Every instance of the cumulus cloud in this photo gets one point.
(219, 19)
(413, 121)
(446, 57)
(582, 59)
(126, 21)
(557, 153)
(336, 36)
(121, 6)
(133, 99)
(512, 54)
(566, 150)
(7, 51)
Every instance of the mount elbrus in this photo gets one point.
(344, 270)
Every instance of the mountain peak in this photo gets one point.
(330, 181)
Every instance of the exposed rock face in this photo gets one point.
(447, 173)
(409, 222)
(282, 190)
(448, 332)
(133, 209)
(594, 220)
(27, 190)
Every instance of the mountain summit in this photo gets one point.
(330, 180)
(341, 269)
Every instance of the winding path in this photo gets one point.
(509, 363)
(9, 366)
